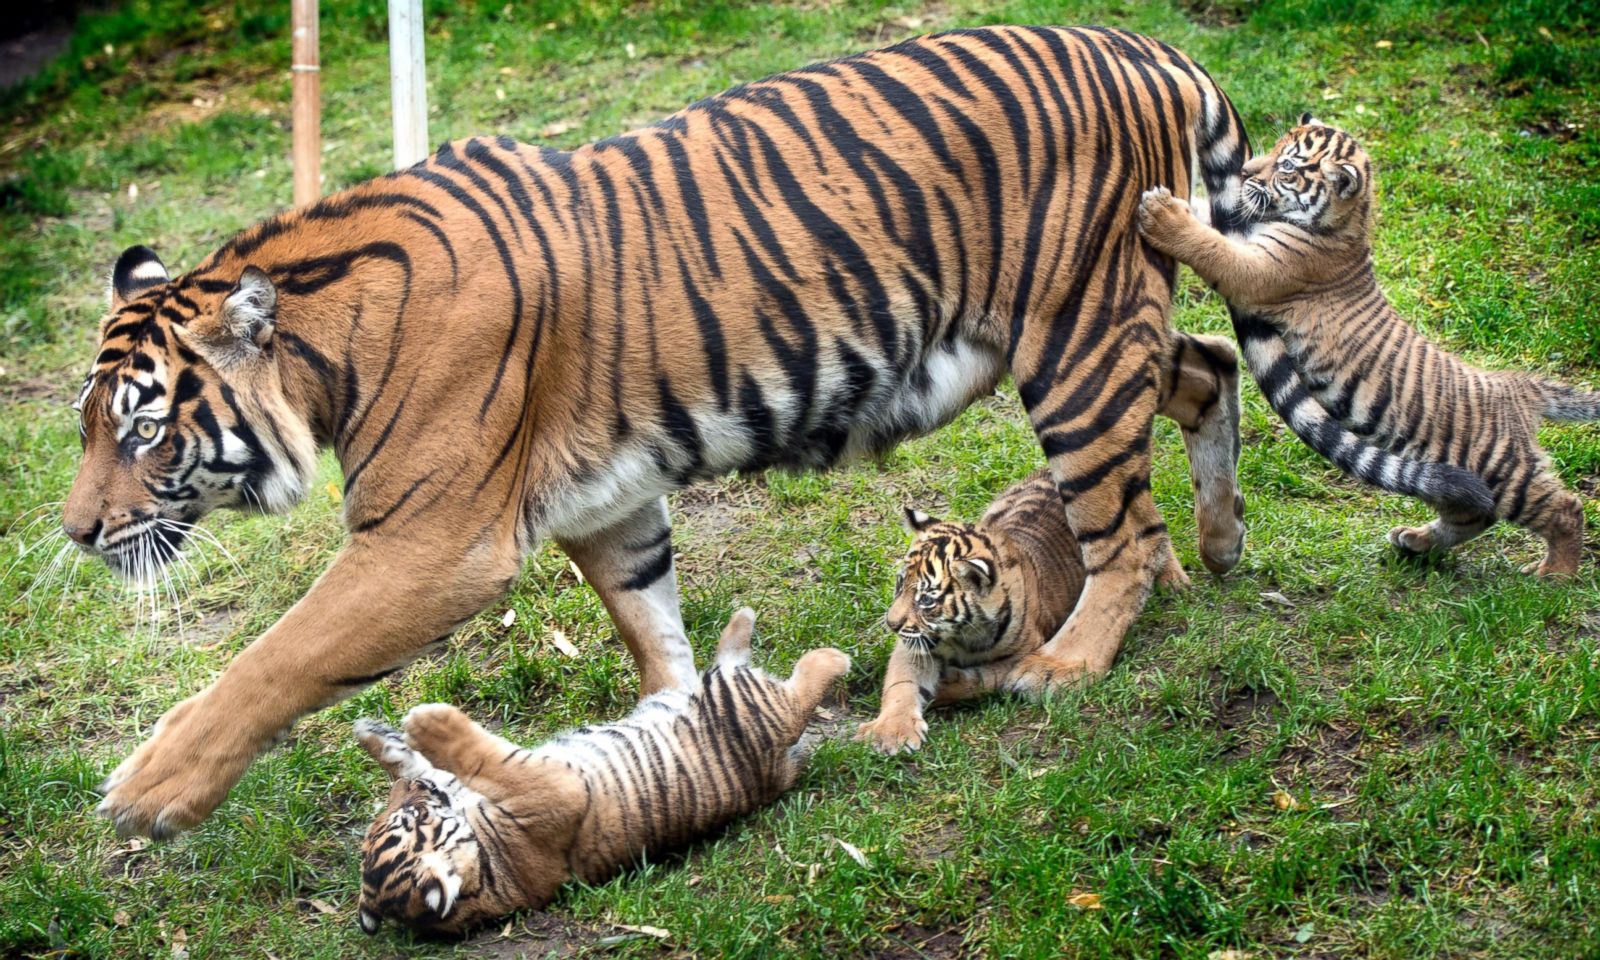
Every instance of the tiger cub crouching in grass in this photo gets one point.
(987, 593)
(477, 826)
(1299, 280)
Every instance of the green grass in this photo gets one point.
(1437, 725)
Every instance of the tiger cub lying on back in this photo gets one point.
(986, 593)
(1304, 267)
(477, 826)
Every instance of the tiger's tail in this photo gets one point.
(1222, 148)
(1563, 402)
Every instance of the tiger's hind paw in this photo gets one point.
(1412, 541)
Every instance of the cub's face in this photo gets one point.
(1315, 176)
(948, 584)
(170, 418)
(421, 862)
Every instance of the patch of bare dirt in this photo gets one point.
(913, 940)
(535, 935)
(936, 844)
(1328, 761)
(1218, 14)
(35, 387)
(929, 18)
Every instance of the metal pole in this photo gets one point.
(307, 113)
(408, 92)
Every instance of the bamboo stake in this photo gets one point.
(307, 114)
(408, 91)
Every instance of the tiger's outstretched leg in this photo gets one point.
(1200, 391)
(379, 605)
(630, 566)
(1099, 451)
(909, 684)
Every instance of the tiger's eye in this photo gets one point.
(146, 429)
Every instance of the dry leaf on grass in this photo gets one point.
(1086, 901)
(323, 906)
(557, 128)
(121, 918)
(1284, 800)
(853, 851)
(558, 639)
(648, 931)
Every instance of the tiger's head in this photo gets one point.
(1316, 176)
(949, 589)
(182, 412)
(423, 864)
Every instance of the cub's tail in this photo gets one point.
(1442, 485)
(1562, 402)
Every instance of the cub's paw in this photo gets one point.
(439, 732)
(891, 733)
(1549, 569)
(1162, 216)
(1173, 577)
(1411, 541)
(388, 746)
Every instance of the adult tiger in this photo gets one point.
(505, 343)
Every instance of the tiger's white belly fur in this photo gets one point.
(948, 379)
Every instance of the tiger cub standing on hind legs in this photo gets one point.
(1299, 280)
(477, 826)
(508, 343)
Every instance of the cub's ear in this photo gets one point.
(976, 571)
(137, 270)
(251, 311)
(916, 521)
(1343, 177)
(1307, 120)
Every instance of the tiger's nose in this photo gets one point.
(83, 536)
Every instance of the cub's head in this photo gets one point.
(949, 587)
(422, 862)
(1315, 176)
(181, 413)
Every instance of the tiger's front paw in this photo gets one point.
(440, 733)
(1038, 675)
(1163, 218)
(179, 775)
(891, 733)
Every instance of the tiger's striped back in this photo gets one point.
(477, 827)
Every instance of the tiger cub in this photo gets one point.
(1303, 266)
(477, 826)
(986, 593)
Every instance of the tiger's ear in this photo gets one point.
(976, 571)
(137, 270)
(916, 521)
(1307, 120)
(1345, 178)
(250, 313)
(369, 921)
